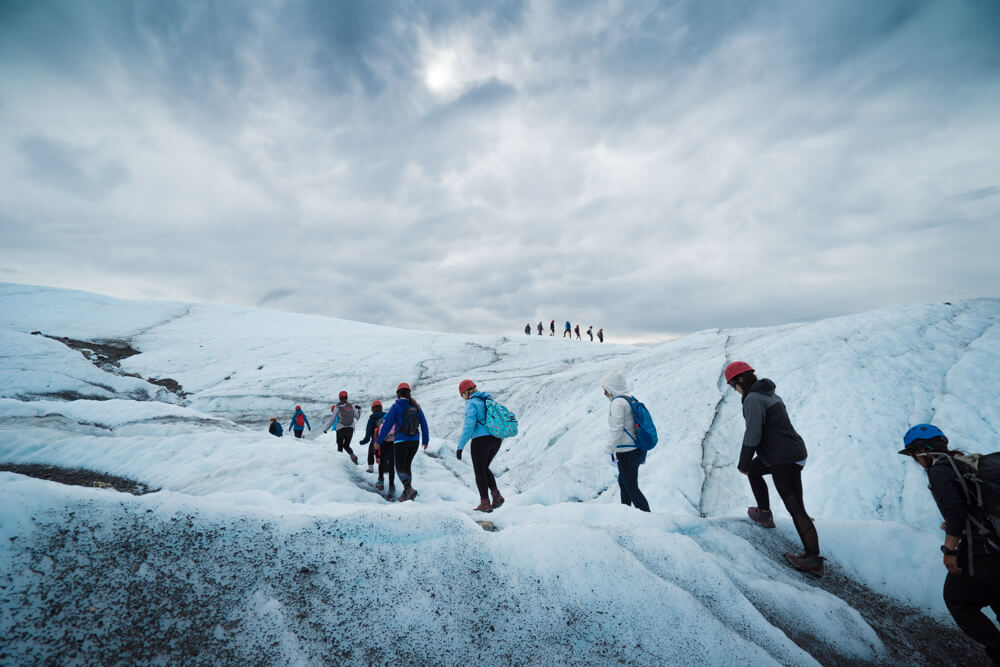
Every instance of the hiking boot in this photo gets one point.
(370, 469)
(354, 459)
(391, 494)
(763, 517)
(484, 506)
(497, 498)
(808, 563)
(380, 485)
(409, 493)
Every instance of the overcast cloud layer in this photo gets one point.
(648, 167)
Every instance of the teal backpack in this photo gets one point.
(500, 422)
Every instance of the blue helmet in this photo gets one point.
(921, 432)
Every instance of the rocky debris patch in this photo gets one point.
(108, 355)
(78, 477)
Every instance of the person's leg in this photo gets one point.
(298, 434)
(755, 475)
(371, 453)
(788, 482)
(340, 440)
(479, 448)
(494, 447)
(965, 598)
(405, 451)
(387, 454)
(628, 478)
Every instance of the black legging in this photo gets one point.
(788, 482)
(483, 449)
(371, 453)
(628, 479)
(965, 597)
(344, 436)
(387, 462)
(405, 451)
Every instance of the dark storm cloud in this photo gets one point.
(653, 167)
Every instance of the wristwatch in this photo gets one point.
(948, 552)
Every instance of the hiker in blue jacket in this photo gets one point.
(274, 428)
(410, 426)
(621, 441)
(299, 422)
(484, 445)
(568, 331)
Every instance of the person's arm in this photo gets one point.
(616, 422)
(469, 425)
(306, 419)
(368, 430)
(423, 428)
(950, 500)
(387, 423)
(753, 415)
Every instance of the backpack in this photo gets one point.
(345, 413)
(300, 419)
(410, 421)
(500, 422)
(645, 437)
(979, 477)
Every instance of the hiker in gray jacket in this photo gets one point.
(771, 446)
(342, 418)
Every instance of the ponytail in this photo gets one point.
(405, 393)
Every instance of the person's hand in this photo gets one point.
(743, 472)
(944, 526)
(425, 447)
(458, 454)
(951, 563)
(612, 461)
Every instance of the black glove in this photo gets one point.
(458, 454)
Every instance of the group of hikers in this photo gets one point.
(568, 331)
(963, 486)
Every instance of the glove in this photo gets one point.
(458, 454)
(612, 461)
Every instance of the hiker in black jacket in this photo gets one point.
(771, 446)
(973, 580)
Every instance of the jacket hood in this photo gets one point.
(481, 394)
(762, 386)
(614, 383)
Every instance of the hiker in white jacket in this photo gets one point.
(621, 440)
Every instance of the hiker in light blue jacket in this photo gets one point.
(484, 445)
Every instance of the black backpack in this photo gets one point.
(979, 477)
(410, 421)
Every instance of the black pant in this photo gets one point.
(371, 452)
(298, 433)
(788, 482)
(387, 462)
(965, 597)
(628, 478)
(344, 436)
(483, 449)
(405, 451)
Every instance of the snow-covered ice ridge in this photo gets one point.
(278, 550)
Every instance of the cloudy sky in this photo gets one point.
(654, 168)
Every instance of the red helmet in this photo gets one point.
(298, 407)
(402, 385)
(737, 368)
(465, 385)
(343, 395)
(376, 403)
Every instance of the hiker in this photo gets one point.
(568, 331)
(406, 417)
(540, 328)
(971, 545)
(781, 453)
(622, 435)
(590, 332)
(299, 422)
(552, 328)
(371, 430)
(342, 418)
(600, 335)
(275, 428)
(577, 331)
(527, 332)
(484, 445)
